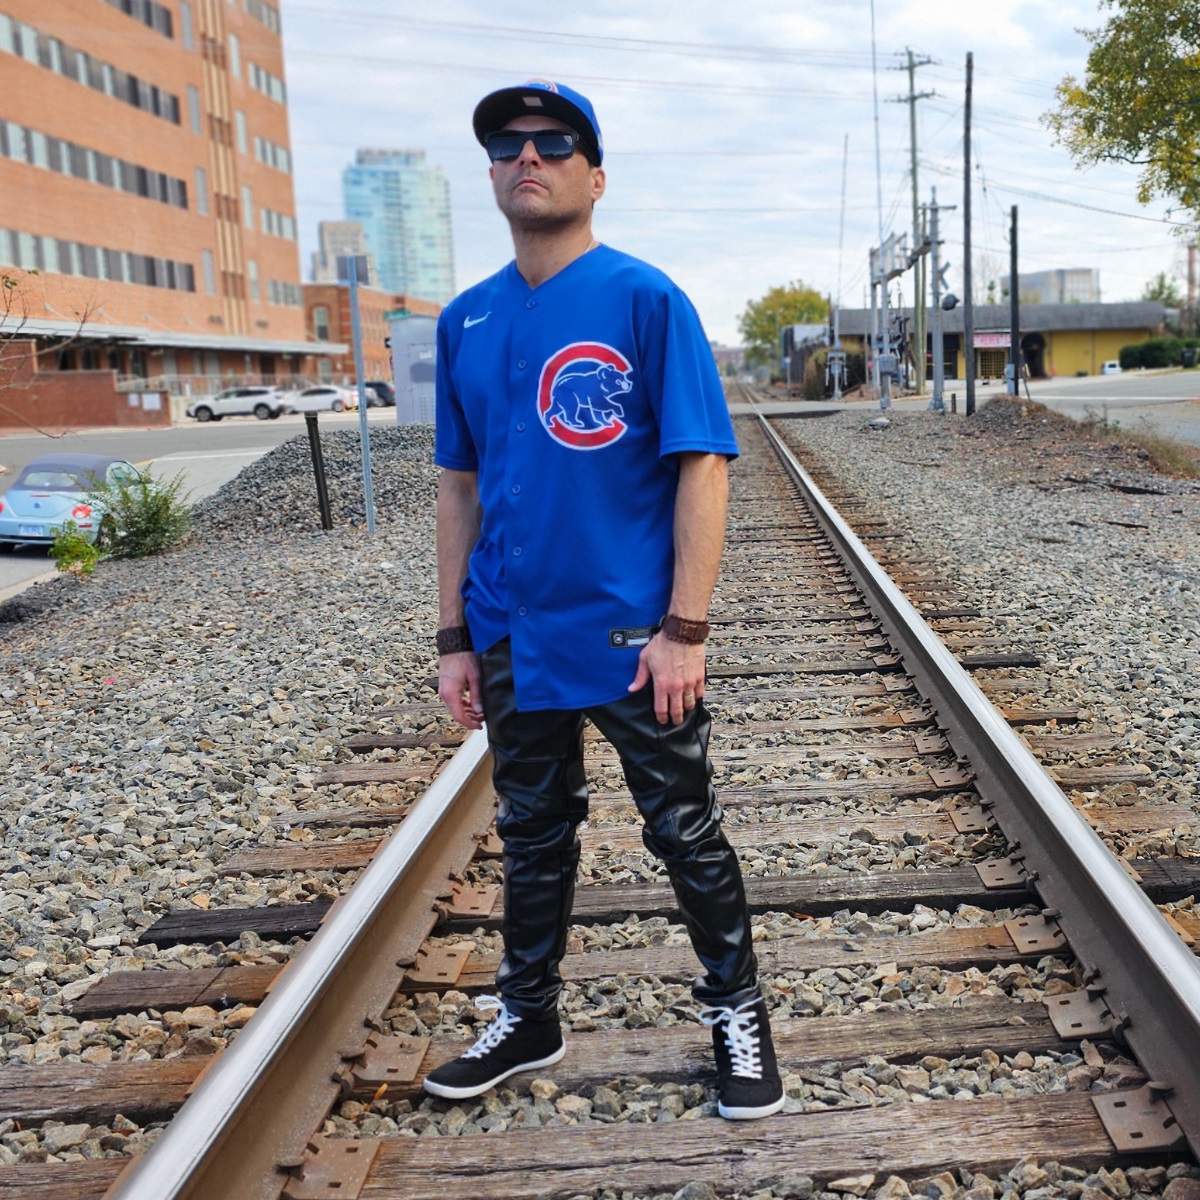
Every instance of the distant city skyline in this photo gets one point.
(403, 206)
(337, 239)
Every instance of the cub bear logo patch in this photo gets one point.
(578, 395)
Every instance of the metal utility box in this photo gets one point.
(414, 347)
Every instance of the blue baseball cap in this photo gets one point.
(541, 97)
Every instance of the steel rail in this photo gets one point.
(1149, 980)
(255, 1109)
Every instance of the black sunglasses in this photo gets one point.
(507, 144)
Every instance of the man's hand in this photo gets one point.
(677, 669)
(458, 686)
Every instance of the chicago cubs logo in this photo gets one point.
(577, 393)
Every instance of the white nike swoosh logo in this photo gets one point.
(469, 321)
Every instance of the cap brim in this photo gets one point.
(495, 111)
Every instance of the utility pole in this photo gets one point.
(874, 335)
(1014, 309)
(918, 338)
(937, 277)
(968, 299)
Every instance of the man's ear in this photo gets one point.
(598, 181)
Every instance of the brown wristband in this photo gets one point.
(679, 629)
(454, 640)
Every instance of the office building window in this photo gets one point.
(239, 129)
(16, 37)
(235, 56)
(262, 80)
(32, 252)
(281, 292)
(156, 16)
(271, 154)
(320, 315)
(187, 36)
(252, 277)
(202, 191)
(247, 207)
(193, 103)
(268, 14)
(278, 224)
(68, 158)
(208, 272)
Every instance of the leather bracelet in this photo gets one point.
(454, 639)
(680, 629)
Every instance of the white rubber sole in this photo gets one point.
(446, 1092)
(750, 1114)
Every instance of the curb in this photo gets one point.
(17, 588)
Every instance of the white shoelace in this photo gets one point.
(741, 1036)
(503, 1023)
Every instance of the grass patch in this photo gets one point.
(1163, 454)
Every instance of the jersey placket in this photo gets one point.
(520, 553)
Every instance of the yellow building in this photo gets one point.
(1056, 339)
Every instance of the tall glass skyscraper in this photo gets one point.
(403, 205)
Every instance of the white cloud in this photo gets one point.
(724, 130)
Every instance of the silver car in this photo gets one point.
(257, 400)
(325, 397)
(54, 489)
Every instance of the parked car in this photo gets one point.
(52, 490)
(324, 397)
(1113, 367)
(264, 402)
(380, 394)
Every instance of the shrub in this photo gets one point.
(1155, 352)
(73, 552)
(142, 517)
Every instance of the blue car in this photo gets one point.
(52, 490)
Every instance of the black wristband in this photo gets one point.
(454, 639)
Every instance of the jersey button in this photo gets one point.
(520, 364)
(520, 426)
(531, 304)
(516, 489)
(522, 611)
(516, 552)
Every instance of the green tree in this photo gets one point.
(1164, 289)
(762, 319)
(1139, 101)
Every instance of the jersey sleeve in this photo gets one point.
(453, 446)
(682, 380)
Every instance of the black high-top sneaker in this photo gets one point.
(508, 1045)
(748, 1077)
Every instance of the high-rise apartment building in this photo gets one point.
(1072, 285)
(147, 177)
(337, 239)
(403, 205)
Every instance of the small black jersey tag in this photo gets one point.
(619, 638)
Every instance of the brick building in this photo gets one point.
(327, 317)
(146, 168)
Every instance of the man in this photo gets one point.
(583, 439)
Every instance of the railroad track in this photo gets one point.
(936, 919)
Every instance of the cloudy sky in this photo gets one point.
(725, 126)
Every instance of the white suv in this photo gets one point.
(265, 403)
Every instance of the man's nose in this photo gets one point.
(528, 152)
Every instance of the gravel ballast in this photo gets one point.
(156, 719)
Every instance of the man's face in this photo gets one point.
(537, 193)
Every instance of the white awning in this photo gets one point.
(139, 335)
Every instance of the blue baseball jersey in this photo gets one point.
(571, 400)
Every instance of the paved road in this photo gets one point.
(206, 455)
(1163, 402)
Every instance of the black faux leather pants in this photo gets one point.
(539, 778)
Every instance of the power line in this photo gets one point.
(724, 50)
(1110, 212)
